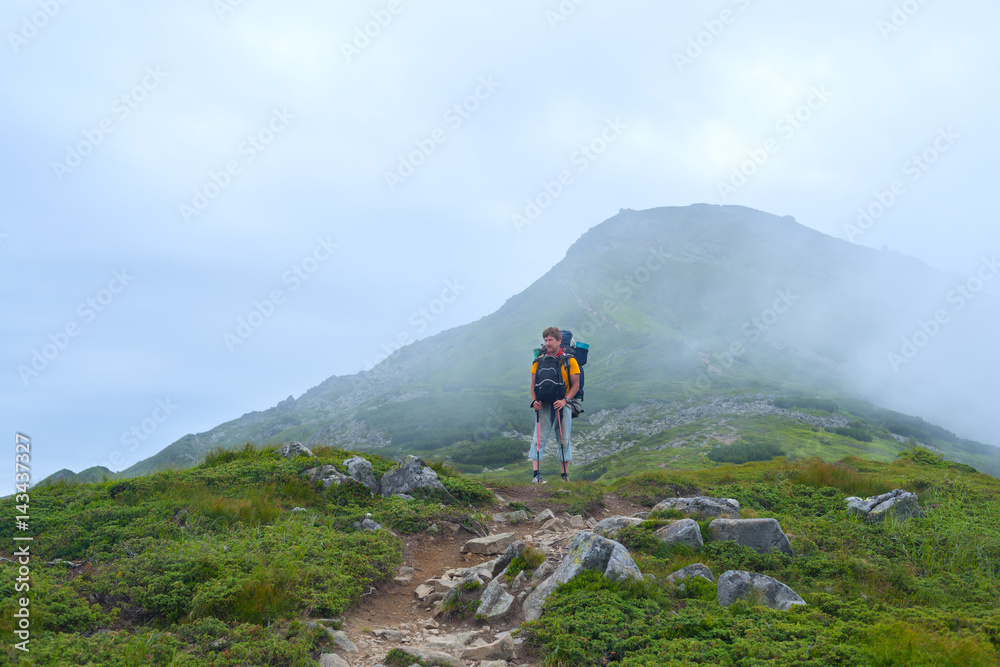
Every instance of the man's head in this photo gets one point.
(552, 337)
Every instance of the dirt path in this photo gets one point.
(393, 616)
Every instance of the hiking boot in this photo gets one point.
(565, 477)
(538, 480)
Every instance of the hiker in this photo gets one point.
(555, 379)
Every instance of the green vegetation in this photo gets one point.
(209, 565)
(526, 562)
(744, 452)
(914, 592)
(495, 452)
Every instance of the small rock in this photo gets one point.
(332, 660)
(544, 516)
(509, 517)
(736, 585)
(502, 649)
(703, 505)
(684, 531)
(489, 545)
(293, 449)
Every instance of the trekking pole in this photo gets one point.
(562, 454)
(538, 432)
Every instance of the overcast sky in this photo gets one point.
(209, 205)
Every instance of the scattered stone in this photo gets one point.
(511, 517)
(493, 663)
(444, 585)
(874, 509)
(368, 524)
(502, 649)
(611, 525)
(389, 634)
(556, 525)
(328, 473)
(495, 602)
(423, 590)
(294, 449)
(332, 660)
(520, 583)
(404, 575)
(500, 564)
(409, 476)
(343, 642)
(762, 535)
(683, 531)
(453, 643)
(542, 572)
(403, 496)
(361, 471)
(696, 570)
(704, 505)
(426, 656)
(576, 522)
(489, 545)
(587, 551)
(544, 516)
(736, 585)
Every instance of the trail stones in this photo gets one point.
(587, 551)
(513, 550)
(495, 603)
(704, 505)
(361, 471)
(762, 535)
(489, 545)
(332, 660)
(511, 517)
(544, 515)
(874, 509)
(501, 649)
(736, 585)
(409, 476)
(294, 449)
(608, 527)
(685, 531)
(425, 656)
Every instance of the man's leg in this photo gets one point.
(566, 452)
(538, 450)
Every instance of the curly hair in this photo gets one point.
(554, 332)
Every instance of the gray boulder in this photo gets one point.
(361, 470)
(495, 601)
(608, 527)
(704, 505)
(875, 509)
(327, 473)
(294, 449)
(763, 535)
(501, 649)
(511, 517)
(489, 545)
(409, 476)
(689, 572)
(513, 550)
(736, 585)
(684, 531)
(587, 551)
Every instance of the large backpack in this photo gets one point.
(552, 368)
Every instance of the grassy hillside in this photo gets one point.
(210, 566)
(166, 569)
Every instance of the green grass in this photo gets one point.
(172, 562)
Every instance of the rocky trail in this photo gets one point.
(396, 616)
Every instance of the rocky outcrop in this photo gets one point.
(736, 585)
(684, 531)
(587, 551)
(762, 535)
(874, 509)
(696, 570)
(294, 449)
(327, 473)
(361, 471)
(408, 477)
(702, 505)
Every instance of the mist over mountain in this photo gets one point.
(677, 303)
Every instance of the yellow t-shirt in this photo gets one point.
(574, 369)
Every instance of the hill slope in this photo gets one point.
(677, 303)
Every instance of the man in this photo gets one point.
(551, 389)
